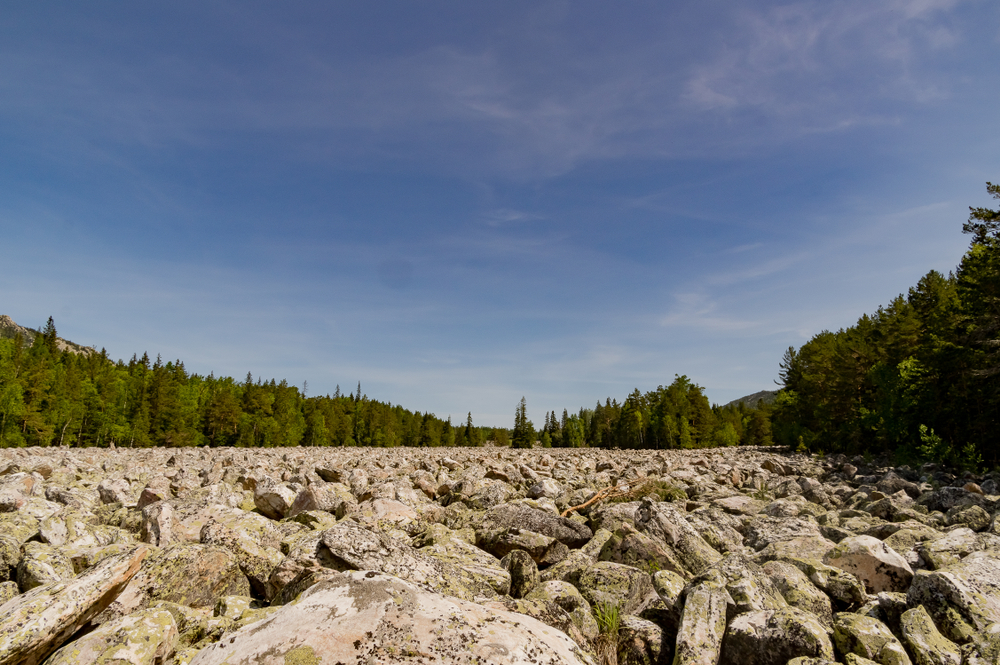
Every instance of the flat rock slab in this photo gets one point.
(361, 617)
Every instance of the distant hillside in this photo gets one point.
(9, 330)
(751, 400)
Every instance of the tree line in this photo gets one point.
(675, 416)
(920, 377)
(51, 397)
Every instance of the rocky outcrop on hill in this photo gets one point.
(733, 556)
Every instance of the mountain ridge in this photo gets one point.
(10, 329)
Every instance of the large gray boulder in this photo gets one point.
(963, 599)
(566, 596)
(868, 638)
(616, 584)
(668, 524)
(518, 516)
(879, 567)
(703, 624)
(799, 591)
(922, 638)
(193, 575)
(773, 637)
(372, 617)
(36, 623)
(352, 547)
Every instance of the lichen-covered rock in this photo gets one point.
(570, 568)
(963, 598)
(333, 498)
(42, 564)
(352, 547)
(799, 591)
(450, 547)
(547, 612)
(635, 548)
(668, 524)
(7, 591)
(523, 573)
(115, 490)
(879, 567)
(803, 547)
(273, 500)
(36, 623)
(179, 520)
(772, 637)
(252, 539)
(868, 638)
(509, 516)
(142, 638)
(642, 642)
(719, 529)
(748, 585)
(193, 575)
(907, 538)
(955, 546)
(922, 638)
(888, 607)
(305, 552)
(566, 596)
(616, 584)
(703, 625)
(764, 530)
(843, 588)
(372, 617)
(665, 609)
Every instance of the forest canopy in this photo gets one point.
(50, 397)
(920, 377)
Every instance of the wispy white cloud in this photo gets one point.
(697, 310)
(838, 63)
(505, 216)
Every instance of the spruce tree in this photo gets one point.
(523, 435)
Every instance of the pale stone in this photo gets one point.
(372, 617)
(878, 566)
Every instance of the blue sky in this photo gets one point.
(458, 203)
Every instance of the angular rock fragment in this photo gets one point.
(36, 623)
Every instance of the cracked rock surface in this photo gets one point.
(492, 555)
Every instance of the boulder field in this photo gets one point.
(732, 556)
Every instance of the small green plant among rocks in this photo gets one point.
(609, 618)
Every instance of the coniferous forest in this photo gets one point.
(919, 378)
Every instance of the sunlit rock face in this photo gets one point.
(491, 555)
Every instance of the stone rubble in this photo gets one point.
(733, 556)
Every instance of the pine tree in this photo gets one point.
(523, 435)
(49, 336)
(471, 432)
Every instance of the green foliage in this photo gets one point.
(60, 398)
(523, 434)
(607, 644)
(608, 617)
(933, 448)
(919, 377)
(675, 416)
